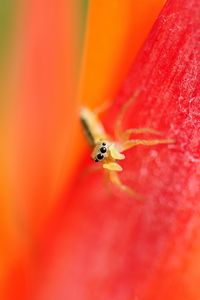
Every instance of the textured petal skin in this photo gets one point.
(110, 246)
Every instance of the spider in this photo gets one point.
(108, 151)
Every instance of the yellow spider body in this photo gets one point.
(108, 151)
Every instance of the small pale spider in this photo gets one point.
(108, 151)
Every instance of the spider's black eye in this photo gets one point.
(104, 144)
(96, 160)
(100, 156)
(103, 149)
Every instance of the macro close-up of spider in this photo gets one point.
(109, 150)
(100, 150)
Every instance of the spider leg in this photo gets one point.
(106, 180)
(103, 107)
(125, 107)
(126, 134)
(132, 143)
(114, 178)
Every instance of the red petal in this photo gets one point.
(110, 245)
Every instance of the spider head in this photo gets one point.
(100, 151)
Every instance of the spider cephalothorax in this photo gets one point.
(108, 154)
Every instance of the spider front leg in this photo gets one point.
(118, 125)
(103, 107)
(114, 178)
(112, 171)
(127, 133)
(132, 143)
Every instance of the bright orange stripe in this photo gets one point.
(116, 30)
